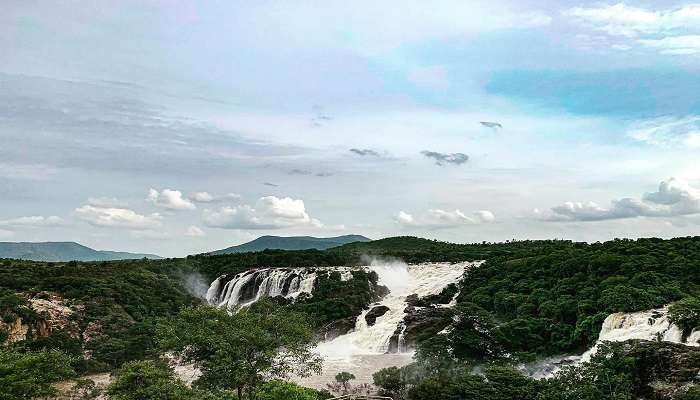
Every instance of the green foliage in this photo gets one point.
(281, 390)
(619, 371)
(335, 299)
(84, 389)
(391, 383)
(154, 380)
(686, 314)
(28, 375)
(551, 298)
(13, 306)
(611, 374)
(124, 298)
(692, 393)
(344, 377)
(474, 334)
(237, 350)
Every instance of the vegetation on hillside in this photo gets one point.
(619, 371)
(529, 299)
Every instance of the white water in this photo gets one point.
(266, 282)
(402, 281)
(363, 351)
(651, 325)
(644, 325)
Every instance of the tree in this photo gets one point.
(390, 383)
(155, 380)
(237, 350)
(686, 314)
(30, 375)
(146, 380)
(281, 390)
(610, 374)
(344, 378)
(84, 389)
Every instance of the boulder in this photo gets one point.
(418, 321)
(337, 328)
(374, 313)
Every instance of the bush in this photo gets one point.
(281, 390)
(147, 380)
(31, 375)
(686, 314)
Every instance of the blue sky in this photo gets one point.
(180, 127)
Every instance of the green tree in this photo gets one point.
(390, 382)
(237, 350)
(281, 390)
(30, 375)
(610, 374)
(344, 378)
(84, 389)
(692, 393)
(146, 380)
(155, 380)
(686, 314)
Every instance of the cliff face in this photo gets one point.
(48, 313)
(15, 330)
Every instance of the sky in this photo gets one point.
(179, 127)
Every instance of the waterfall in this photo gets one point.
(619, 327)
(252, 285)
(402, 281)
(644, 325)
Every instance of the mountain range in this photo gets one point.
(63, 251)
(291, 243)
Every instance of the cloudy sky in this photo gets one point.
(177, 127)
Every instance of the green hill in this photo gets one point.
(291, 243)
(63, 251)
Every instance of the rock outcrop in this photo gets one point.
(15, 330)
(48, 312)
(665, 369)
(337, 328)
(419, 321)
(374, 313)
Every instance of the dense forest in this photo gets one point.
(530, 299)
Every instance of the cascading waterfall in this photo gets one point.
(651, 325)
(250, 286)
(402, 281)
(644, 325)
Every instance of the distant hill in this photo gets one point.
(292, 243)
(63, 251)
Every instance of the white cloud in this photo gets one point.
(33, 221)
(673, 198)
(113, 217)
(675, 45)
(206, 197)
(668, 131)
(269, 213)
(5, 234)
(436, 218)
(618, 19)
(670, 30)
(170, 199)
(194, 231)
(106, 202)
